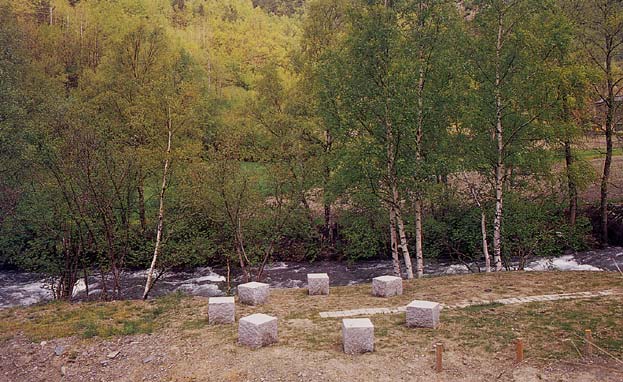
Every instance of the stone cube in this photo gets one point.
(357, 335)
(253, 293)
(221, 310)
(257, 330)
(318, 283)
(423, 314)
(386, 286)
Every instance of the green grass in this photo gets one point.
(89, 319)
(590, 154)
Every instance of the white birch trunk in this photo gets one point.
(485, 244)
(403, 242)
(394, 241)
(419, 258)
(499, 165)
(150, 275)
(419, 254)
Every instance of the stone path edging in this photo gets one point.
(465, 304)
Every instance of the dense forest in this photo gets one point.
(180, 133)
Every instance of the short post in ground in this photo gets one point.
(519, 350)
(588, 343)
(438, 357)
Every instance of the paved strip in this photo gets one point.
(474, 302)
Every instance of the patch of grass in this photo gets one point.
(87, 320)
(478, 308)
(590, 154)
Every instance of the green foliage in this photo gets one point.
(292, 122)
(532, 228)
(539, 229)
(363, 235)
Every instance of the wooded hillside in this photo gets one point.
(180, 133)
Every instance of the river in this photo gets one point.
(22, 288)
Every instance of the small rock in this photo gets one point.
(148, 359)
(104, 362)
(63, 371)
(59, 350)
(488, 290)
(114, 354)
(43, 343)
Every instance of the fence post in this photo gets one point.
(519, 350)
(438, 357)
(588, 342)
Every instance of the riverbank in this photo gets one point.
(169, 338)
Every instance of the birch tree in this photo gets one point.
(366, 81)
(508, 60)
(163, 189)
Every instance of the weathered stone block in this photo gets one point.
(423, 314)
(253, 293)
(386, 286)
(318, 283)
(221, 310)
(357, 335)
(257, 330)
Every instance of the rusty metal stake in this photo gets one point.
(519, 350)
(439, 357)
(588, 343)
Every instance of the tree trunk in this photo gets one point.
(394, 241)
(328, 217)
(419, 254)
(419, 257)
(610, 104)
(573, 189)
(499, 165)
(483, 224)
(150, 275)
(603, 204)
(485, 244)
(403, 243)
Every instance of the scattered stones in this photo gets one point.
(423, 314)
(59, 350)
(257, 330)
(253, 293)
(318, 284)
(113, 355)
(221, 310)
(357, 335)
(386, 286)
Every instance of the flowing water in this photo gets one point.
(21, 288)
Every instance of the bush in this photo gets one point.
(530, 228)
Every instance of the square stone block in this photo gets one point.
(257, 330)
(221, 310)
(423, 314)
(318, 283)
(386, 286)
(253, 293)
(357, 335)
